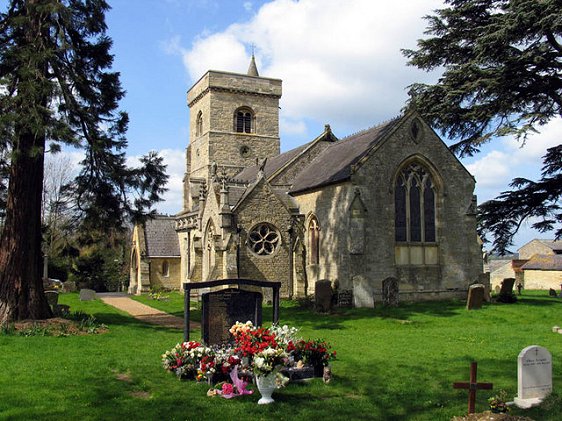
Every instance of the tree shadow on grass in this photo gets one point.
(336, 319)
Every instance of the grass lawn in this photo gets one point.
(393, 364)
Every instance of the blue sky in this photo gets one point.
(339, 60)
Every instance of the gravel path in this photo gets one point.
(142, 312)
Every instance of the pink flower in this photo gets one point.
(227, 389)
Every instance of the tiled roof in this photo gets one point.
(544, 262)
(334, 164)
(161, 237)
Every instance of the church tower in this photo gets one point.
(234, 120)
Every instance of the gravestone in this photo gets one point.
(323, 296)
(69, 286)
(534, 376)
(507, 286)
(345, 298)
(362, 293)
(390, 293)
(52, 298)
(475, 297)
(87, 294)
(221, 309)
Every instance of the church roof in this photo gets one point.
(273, 164)
(277, 164)
(161, 237)
(544, 262)
(335, 163)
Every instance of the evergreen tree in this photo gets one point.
(57, 87)
(502, 76)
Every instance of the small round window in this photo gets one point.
(263, 239)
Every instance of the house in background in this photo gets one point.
(543, 269)
(538, 265)
(155, 256)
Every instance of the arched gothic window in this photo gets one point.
(414, 205)
(313, 241)
(199, 124)
(243, 120)
(415, 202)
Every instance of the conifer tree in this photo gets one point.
(57, 87)
(502, 62)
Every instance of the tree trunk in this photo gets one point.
(21, 287)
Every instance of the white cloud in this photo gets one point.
(495, 170)
(339, 60)
(174, 159)
(173, 198)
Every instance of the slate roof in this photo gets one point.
(161, 237)
(334, 164)
(544, 262)
(272, 164)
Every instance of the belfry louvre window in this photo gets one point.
(243, 121)
(415, 205)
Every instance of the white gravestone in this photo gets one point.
(534, 376)
(362, 293)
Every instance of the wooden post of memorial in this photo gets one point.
(472, 387)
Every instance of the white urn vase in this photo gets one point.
(266, 386)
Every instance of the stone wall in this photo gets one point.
(263, 206)
(542, 279)
(459, 256)
(217, 95)
(158, 279)
(498, 275)
(532, 248)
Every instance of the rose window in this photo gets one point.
(263, 239)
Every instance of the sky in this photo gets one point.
(339, 60)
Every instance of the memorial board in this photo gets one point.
(221, 309)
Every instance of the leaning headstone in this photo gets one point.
(390, 293)
(221, 309)
(362, 293)
(52, 298)
(323, 296)
(507, 286)
(87, 294)
(506, 294)
(475, 297)
(534, 376)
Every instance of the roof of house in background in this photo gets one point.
(544, 262)
(556, 246)
(161, 237)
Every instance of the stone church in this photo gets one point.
(388, 202)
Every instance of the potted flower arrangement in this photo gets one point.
(185, 358)
(498, 403)
(316, 353)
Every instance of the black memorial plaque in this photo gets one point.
(221, 309)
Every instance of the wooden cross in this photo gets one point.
(472, 387)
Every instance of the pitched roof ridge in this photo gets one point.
(376, 126)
